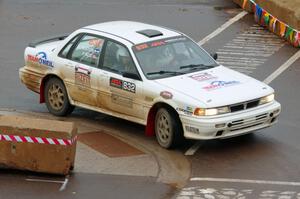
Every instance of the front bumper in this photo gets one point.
(232, 124)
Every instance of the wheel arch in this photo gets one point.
(43, 82)
(150, 126)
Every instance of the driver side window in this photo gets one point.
(117, 59)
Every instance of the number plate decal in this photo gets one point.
(124, 85)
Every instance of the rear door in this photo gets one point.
(81, 61)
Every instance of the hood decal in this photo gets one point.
(203, 76)
(220, 84)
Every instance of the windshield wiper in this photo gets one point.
(161, 72)
(192, 66)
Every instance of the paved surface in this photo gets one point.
(267, 157)
(27, 186)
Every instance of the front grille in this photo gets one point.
(248, 123)
(244, 105)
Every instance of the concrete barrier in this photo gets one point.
(286, 13)
(37, 145)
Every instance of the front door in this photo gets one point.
(122, 95)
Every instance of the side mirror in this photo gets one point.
(131, 75)
(215, 56)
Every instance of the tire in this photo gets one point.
(56, 98)
(168, 129)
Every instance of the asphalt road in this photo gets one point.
(21, 185)
(268, 155)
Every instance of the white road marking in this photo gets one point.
(226, 193)
(283, 67)
(223, 27)
(192, 150)
(42, 180)
(64, 185)
(245, 181)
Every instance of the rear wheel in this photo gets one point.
(56, 98)
(168, 128)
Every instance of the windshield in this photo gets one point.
(171, 57)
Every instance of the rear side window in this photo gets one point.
(88, 50)
(67, 48)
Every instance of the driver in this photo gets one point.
(125, 60)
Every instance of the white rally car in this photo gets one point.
(150, 75)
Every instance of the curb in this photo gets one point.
(271, 22)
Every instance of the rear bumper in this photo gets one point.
(231, 125)
(31, 79)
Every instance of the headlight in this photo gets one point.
(267, 99)
(211, 111)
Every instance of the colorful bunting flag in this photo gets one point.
(244, 4)
(258, 12)
(272, 23)
(282, 28)
(274, 26)
(266, 19)
(297, 39)
(288, 33)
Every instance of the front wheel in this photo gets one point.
(56, 98)
(168, 128)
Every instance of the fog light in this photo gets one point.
(219, 133)
(220, 125)
(273, 119)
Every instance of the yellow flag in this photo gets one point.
(291, 36)
(272, 21)
(282, 29)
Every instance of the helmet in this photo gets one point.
(122, 53)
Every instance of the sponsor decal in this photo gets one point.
(153, 44)
(187, 110)
(124, 85)
(166, 95)
(123, 101)
(141, 47)
(96, 42)
(157, 43)
(192, 129)
(82, 76)
(202, 77)
(41, 59)
(220, 84)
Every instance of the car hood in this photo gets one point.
(219, 86)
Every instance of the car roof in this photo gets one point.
(129, 30)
